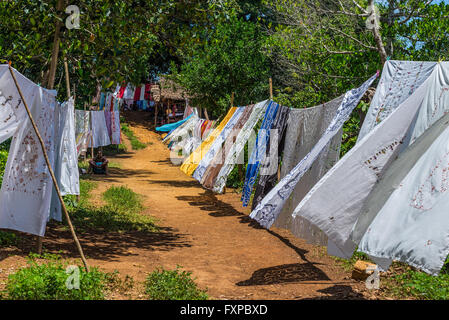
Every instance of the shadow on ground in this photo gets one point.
(287, 273)
(97, 244)
(338, 292)
(207, 201)
(117, 173)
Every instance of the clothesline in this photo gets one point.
(41, 165)
(126, 96)
(96, 129)
(410, 99)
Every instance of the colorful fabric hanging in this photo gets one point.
(102, 101)
(267, 182)
(258, 152)
(191, 163)
(216, 145)
(232, 158)
(121, 92)
(137, 94)
(217, 162)
(171, 126)
(269, 208)
(148, 92)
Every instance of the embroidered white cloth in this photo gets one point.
(237, 148)
(217, 145)
(398, 81)
(269, 208)
(115, 127)
(82, 130)
(391, 182)
(66, 160)
(335, 202)
(26, 191)
(99, 129)
(413, 225)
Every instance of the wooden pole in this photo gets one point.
(155, 114)
(67, 77)
(271, 89)
(206, 115)
(55, 51)
(55, 184)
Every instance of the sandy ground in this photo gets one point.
(208, 234)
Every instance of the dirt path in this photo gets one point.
(207, 234)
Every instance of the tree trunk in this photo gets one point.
(55, 52)
(377, 36)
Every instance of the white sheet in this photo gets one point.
(100, 135)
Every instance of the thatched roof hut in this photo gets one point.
(167, 89)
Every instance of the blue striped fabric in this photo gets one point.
(258, 152)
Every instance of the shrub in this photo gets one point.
(48, 282)
(173, 285)
(3, 159)
(7, 239)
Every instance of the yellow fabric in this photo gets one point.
(191, 163)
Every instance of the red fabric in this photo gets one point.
(121, 92)
(147, 91)
(203, 126)
(137, 94)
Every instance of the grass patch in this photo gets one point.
(123, 199)
(173, 285)
(403, 281)
(121, 212)
(135, 143)
(408, 282)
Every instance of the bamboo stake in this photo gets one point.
(67, 79)
(55, 184)
(155, 114)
